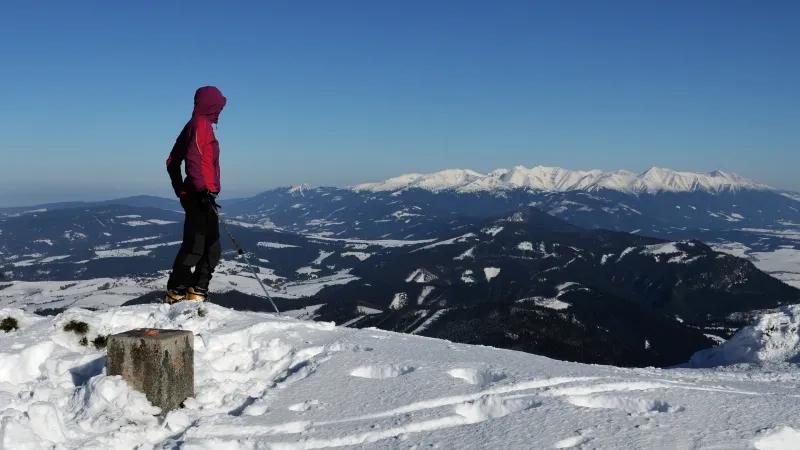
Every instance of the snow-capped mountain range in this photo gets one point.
(556, 179)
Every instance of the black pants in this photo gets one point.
(200, 248)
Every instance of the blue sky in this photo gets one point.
(334, 93)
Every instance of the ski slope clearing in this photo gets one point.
(266, 382)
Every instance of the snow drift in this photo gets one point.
(266, 382)
(773, 338)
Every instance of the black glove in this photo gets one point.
(209, 197)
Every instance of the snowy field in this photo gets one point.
(101, 293)
(266, 382)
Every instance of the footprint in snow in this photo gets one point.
(480, 377)
(381, 371)
(632, 406)
(307, 406)
(493, 407)
(571, 442)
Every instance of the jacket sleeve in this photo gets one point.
(174, 161)
(200, 158)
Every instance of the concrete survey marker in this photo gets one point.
(158, 363)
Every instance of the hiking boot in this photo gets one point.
(197, 294)
(175, 295)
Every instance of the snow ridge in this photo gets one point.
(544, 178)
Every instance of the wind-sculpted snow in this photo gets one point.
(773, 338)
(263, 382)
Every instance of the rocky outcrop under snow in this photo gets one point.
(773, 338)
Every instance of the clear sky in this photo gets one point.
(341, 92)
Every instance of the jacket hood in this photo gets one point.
(208, 102)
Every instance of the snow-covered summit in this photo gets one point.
(263, 382)
(561, 180)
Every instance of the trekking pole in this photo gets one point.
(242, 253)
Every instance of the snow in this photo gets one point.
(121, 253)
(141, 223)
(276, 245)
(73, 235)
(467, 277)
(403, 214)
(430, 321)
(792, 195)
(388, 243)
(50, 259)
(661, 249)
(786, 234)
(399, 301)
(360, 255)
(459, 239)
(161, 244)
(307, 270)
(44, 241)
(470, 253)
(141, 239)
(266, 382)
(263, 224)
(625, 252)
(111, 292)
(491, 272)
(420, 276)
(366, 310)
(492, 230)
(24, 263)
(568, 286)
(552, 303)
(773, 338)
(525, 246)
(426, 291)
(555, 179)
(322, 255)
(670, 248)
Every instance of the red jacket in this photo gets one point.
(198, 147)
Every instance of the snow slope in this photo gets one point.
(265, 382)
(562, 180)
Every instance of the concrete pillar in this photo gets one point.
(158, 363)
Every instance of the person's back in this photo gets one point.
(197, 146)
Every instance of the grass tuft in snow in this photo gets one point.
(9, 324)
(100, 341)
(76, 327)
(201, 312)
(84, 342)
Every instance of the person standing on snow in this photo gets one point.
(200, 249)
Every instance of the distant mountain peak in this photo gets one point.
(556, 179)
